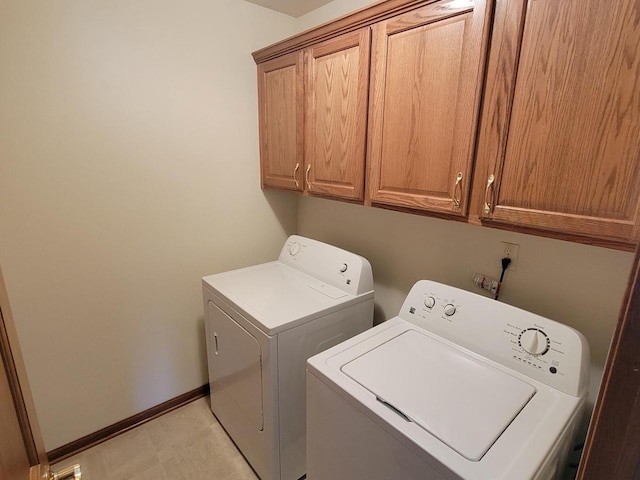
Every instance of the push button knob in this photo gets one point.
(429, 302)
(449, 309)
(294, 249)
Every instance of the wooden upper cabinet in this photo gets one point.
(561, 122)
(281, 111)
(336, 82)
(426, 72)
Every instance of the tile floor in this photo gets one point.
(187, 443)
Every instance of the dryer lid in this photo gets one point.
(462, 401)
(276, 296)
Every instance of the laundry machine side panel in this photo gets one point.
(344, 444)
(295, 346)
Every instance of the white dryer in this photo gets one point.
(262, 324)
(458, 386)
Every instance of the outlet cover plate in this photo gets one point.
(510, 250)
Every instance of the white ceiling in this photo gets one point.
(295, 8)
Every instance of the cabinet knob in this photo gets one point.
(487, 205)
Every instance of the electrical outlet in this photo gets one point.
(511, 250)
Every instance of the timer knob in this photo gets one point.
(534, 341)
(294, 248)
(429, 302)
(343, 268)
(449, 309)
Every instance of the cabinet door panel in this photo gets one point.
(280, 97)
(337, 79)
(425, 88)
(570, 155)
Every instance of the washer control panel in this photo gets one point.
(443, 306)
(534, 346)
(538, 347)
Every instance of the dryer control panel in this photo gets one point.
(538, 347)
(339, 268)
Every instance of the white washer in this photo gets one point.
(457, 386)
(262, 324)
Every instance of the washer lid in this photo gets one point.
(460, 400)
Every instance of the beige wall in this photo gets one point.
(128, 170)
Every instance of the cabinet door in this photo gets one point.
(337, 82)
(561, 125)
(426, 70)
(281, 109)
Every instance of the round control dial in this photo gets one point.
(449, 309)
(534, 341)
(294, 248)
(429, 302)
(343, 268)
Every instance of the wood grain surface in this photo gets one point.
(425, 90)
(281, 117)
(14, 462)
(22, 407)
(612, 448)
(567, 155)
(356, 20)
(337, 80)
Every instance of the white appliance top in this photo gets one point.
(460, 400)
(310, 279)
